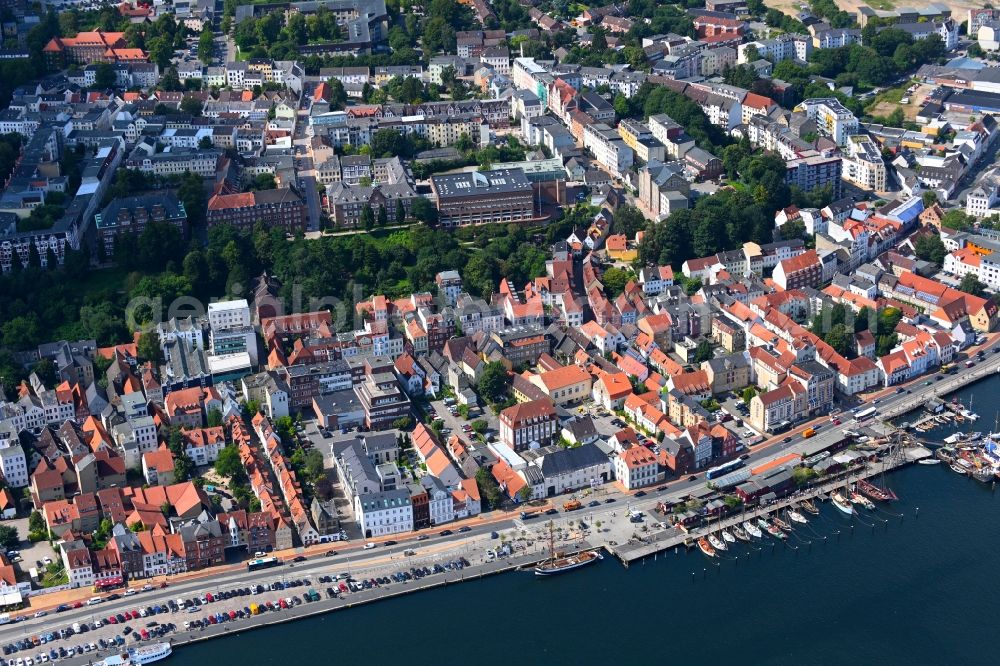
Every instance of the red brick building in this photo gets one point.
(281, 207)
(90, 47)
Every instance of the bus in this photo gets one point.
(722, 470)
(865, 414)
(262, 563)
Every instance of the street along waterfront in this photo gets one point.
(892, 589)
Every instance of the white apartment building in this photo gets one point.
(383, 513)
(981, 200)
(832, 118)
(608, 149)
(863, 165)
(13, 464)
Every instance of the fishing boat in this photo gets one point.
(716, 542)
(796, 516)
(782, 525)
(752, 529)
(958, 469)
(983, 475)
(841, 503)
(858, 498)
(763, 523)
(810, 507)
(727, 537)
(776, 532)
(871, 491)
(558, 563)
(706, 547)
(740, 533)
(945, 453)
(929, 461)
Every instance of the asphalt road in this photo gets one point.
(312, 199)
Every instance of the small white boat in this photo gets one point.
(796, 516)
(727, 537)
(752, 529)
(958, 469)
(740, 533)
(716, 542)
(929, 461)
(858, 498)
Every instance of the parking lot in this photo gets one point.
(279, 591)
(454, 423)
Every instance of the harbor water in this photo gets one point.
(912, 583)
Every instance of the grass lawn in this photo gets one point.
(890, 96)
(881, 5)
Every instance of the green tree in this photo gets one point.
(479, 426)
(748, 394)
(493, 382)
(628, 220)
(148, 347)
(104, 76)
(9, 537)
(423, 210)
(383, 217)
(403, 423)
(615, 279)
(957, 220)
(525, 493)
(793, 229)
(46, 371)
(930, 247)
(192, 193)
(183, 469)
(840, 339)
(970, 284)
(214, 418)
(205, 45)
(367, 218)
(191, 105)
(489, 490)
(228, 464)
(338, 96)
(703, 351)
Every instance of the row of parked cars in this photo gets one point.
(152, 630)
(55, 654)
(236, 614)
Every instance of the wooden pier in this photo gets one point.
(672, 538)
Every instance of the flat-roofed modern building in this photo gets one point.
(483, 197)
